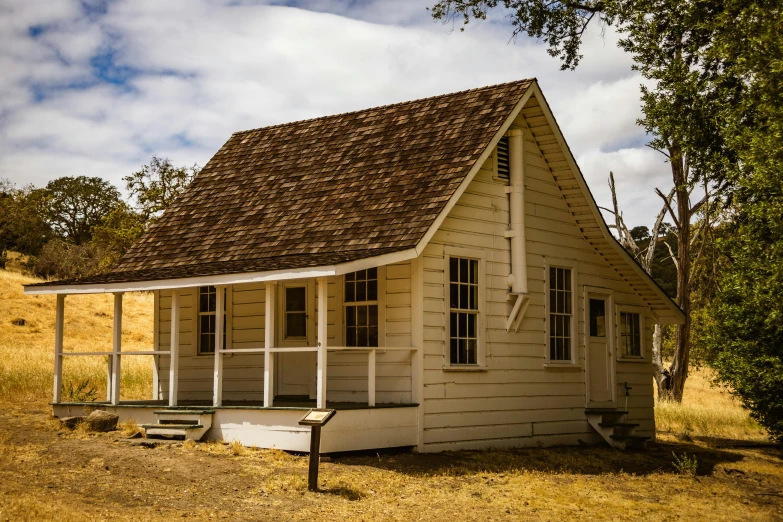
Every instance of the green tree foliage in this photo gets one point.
(62, 260)
(22, 225)
(116, 233)
(74, 205)
(158, 184)
(743, 332)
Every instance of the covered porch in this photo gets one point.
(270, 420)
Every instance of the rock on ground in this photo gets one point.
(100, 420)
(71, 422)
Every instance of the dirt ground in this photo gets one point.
(51, 473)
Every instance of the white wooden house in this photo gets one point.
(435, 270)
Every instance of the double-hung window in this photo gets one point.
(561, 336)
(630, 334)
(361, 308)
(207, 324)
(463, 311)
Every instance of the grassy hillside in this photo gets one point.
(27, 342)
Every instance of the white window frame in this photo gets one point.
(481, 333)
(576, 352)
(642, 328)
(309, 340)
(227, 319)
(340, 291)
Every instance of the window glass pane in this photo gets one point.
(462, 352)
(463, 325)
(373, 336)
(463, 270)
(204, 327)
(350, 292)
(350, 336)
(361, 337)
(373, 319)
(567, 279)
(296, 325)
(453, 324)
(552, 351)
(350, 316)
(361, 315)
(473, 305)
(453, 351)
(372, 273)
(552, 278)
(463, 297)
(361, 290)
(207, 343)
(471, 352)
(350, 277)
(597, 318)
(453, 295)
(472, 320)
(203, 301)
(372, 290)
(212, 298)
(567, 349)
(295, 299)
(453, 269)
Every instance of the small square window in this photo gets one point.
(630, 334)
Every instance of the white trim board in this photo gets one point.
(228, 279)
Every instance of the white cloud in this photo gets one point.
(198, 70)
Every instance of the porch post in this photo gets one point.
(174, 349)
(58, 348)
(371, 379)
(116, 349)
(322, 328)
(219, 322)
(269, 341)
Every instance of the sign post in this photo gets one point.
(316, 419)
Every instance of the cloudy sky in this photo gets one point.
(96, 87)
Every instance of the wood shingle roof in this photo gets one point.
(331, 189)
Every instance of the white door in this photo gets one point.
(295, 370)
(600, 367)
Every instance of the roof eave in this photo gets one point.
(225, 279)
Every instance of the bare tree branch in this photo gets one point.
(669, 207)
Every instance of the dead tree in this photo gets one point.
(645, 258)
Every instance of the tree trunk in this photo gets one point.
(661, 373)
(674, 386)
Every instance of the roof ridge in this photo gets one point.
(384, 106)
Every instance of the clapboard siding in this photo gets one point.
(516, 398)
(243, 377)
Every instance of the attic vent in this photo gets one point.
(503, 158)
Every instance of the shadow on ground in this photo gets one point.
(585, 460)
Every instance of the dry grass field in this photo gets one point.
(728, 472)
(27, 340)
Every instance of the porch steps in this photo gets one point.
(610, 424)
(190, 423)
